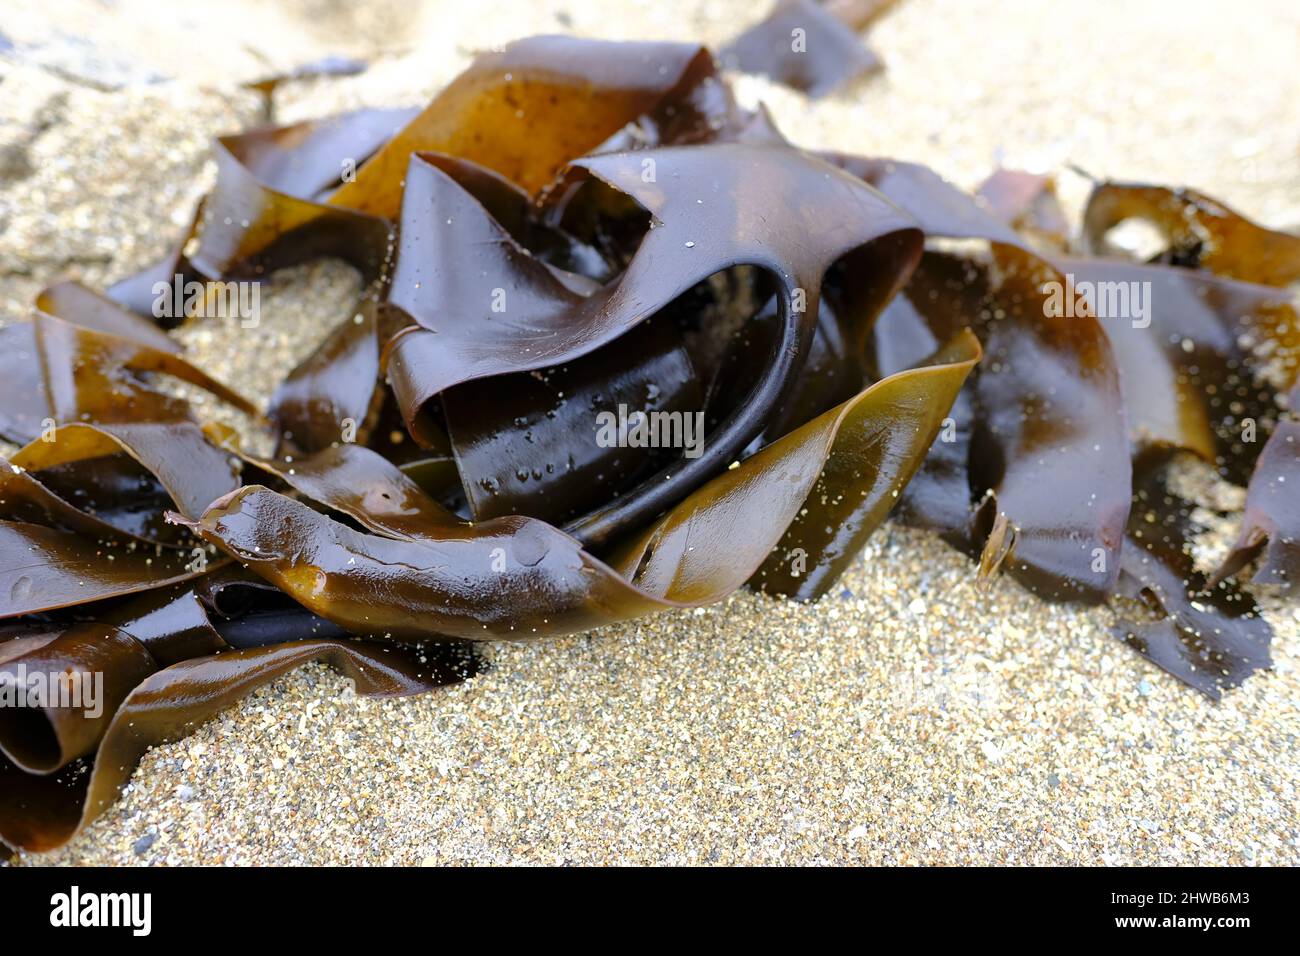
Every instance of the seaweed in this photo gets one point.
(621, 348)
(804, 45)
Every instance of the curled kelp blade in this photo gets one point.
(512, 314)
(528, 222)
(74, 303)
(500, 112)
(556, 443)
(516, 577)
(82, 357)
(267, 209)
(1191, 348)
(177, 454)
(39, 813)
(1051, 438)
(66, 688)
(42, 568)
(1041, 426)
(1027, 202)
(333, 394)
(248, 228)
(1211, 637)
(1198, 231)
(65, 693)
(803, 45)
(171, 623)
(1271, 523)
(109, 497)
(314, 157)
(95, 375)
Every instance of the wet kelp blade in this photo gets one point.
(1271, 523)
(519, 577)
(85, 357)
(557, 443)
(510, 313)
(186, 465)
(512, 97)
(1051, 439)
(92, 375)
(1211, 637)
(802, 45)
(42, 569)
(75, 684)
(266, 210)
(1038, 438)
(40, 813)
(249, 228)
(1199, 232)
(106, 497)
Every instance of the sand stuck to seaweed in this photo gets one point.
(908, 717)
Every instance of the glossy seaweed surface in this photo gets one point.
(646, 352)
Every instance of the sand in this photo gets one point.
(908, 717)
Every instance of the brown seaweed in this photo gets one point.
(1200, 232)
(513, 314)
(519, 577)
(804, 45)
(41, 812)
(574, 231)
(1271, 521)
(1027, 202)
(1208, 635)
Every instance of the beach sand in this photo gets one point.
(909, 716)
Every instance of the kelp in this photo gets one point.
(1047, 401)
(513, 314)
(1271, 521)
(1028, 203)
(621, 348)
(1199, 232)
(41, 812)
(514, 577)
(804, 45)
(1208, 635)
